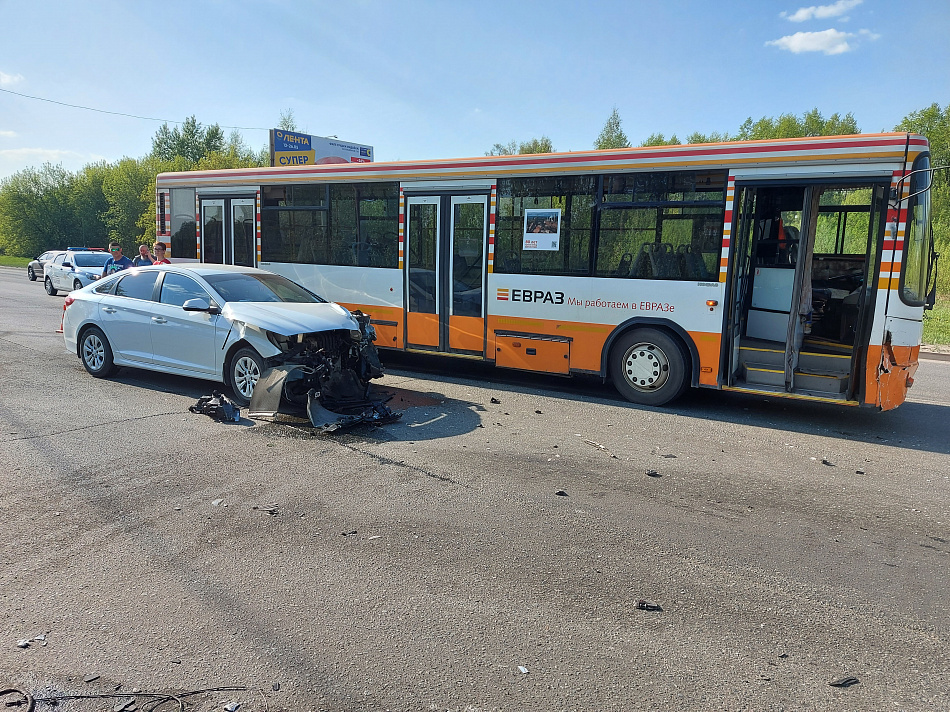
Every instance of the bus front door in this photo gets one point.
(231, 241)
(801, 299)
(445, 273)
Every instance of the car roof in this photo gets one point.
(204, 269)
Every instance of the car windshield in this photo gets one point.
(90, 259)
(242, 287)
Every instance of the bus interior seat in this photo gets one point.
(623, 269)
(641, 264)
(664, 262)
(693, 265)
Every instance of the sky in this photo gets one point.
(421, 79)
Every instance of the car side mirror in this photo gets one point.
(201, 305)
(68, 265)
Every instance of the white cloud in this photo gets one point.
(7, 134)
(821, 12)
(7, 80)
(37, 156)
(827, 41)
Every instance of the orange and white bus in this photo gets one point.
(796, 268)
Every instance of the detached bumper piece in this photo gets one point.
(326, 421)
(217, 406)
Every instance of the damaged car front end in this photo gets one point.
(327, 372)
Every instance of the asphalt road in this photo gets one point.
(431, 564)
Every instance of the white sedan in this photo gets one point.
(221, 323)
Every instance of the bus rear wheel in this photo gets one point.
(648, 367)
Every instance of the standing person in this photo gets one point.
(117, 262)
(159, 257)
(144, 258)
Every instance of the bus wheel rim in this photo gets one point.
(646, 367)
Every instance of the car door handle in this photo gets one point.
(109, 310)
(159, 320)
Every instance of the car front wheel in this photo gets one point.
(96, 353)
(50, 289)
(77, 284)
(244, 371)
(31, 274)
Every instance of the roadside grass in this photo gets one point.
(7, 261)
(937, 322)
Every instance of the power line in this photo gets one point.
(119, 113)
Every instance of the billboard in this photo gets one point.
(289, 148)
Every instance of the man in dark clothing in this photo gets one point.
(117, 262)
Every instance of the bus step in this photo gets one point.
(823, 382)
(764, 374)
(762, 356)
(824, 363)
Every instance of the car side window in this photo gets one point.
(137, 285)
(105, 288)
(58, 260)
(178, 289)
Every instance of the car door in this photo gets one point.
(126, 317)
(55, 269)
(185, 341)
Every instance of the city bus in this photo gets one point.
(795, 268)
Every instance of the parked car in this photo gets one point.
(222, 323)
(37, 268)
(73, 270)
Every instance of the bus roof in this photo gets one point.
(859, 149)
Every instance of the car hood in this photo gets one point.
(289, 319)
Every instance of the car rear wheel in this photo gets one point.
(31, 274)
(244, 371)
(50, 289)
(96, 353)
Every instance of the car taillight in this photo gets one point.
(67, 301)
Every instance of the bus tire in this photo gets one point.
(648, 367)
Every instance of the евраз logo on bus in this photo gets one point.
(537, 296)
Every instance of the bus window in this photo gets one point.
(917, 241)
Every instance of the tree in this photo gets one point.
(658, 139)
(612, 136)
(88, 204)
(811, 123)
(35, 211)
(125, 188)
(287, 121)
(534, 145)
(191, 141)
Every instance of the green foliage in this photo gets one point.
(191, 141)
(287, 121)
(612, 135)
(937, 322)
(659, 139)
(7, 261)
(35, 211)
(811, 123)
(512, 148)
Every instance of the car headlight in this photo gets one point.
(356, 335)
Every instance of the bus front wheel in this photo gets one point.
(648, 367)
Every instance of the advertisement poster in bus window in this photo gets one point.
(542, 229)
